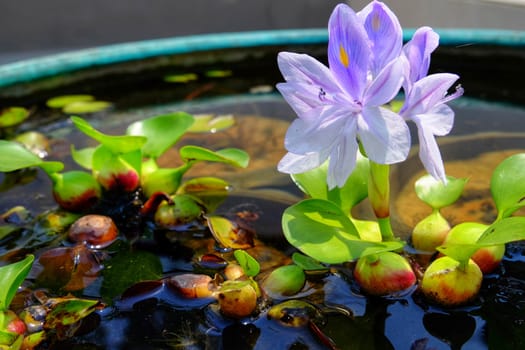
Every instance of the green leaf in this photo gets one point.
(6, 230)
(180, 78)
(212, 123)
(249, 265)
(51, 167)
(217, 73)
(104, 158)
(117, 144)
(63, 100)
(162, 131)
(211, 191)
(437, 194)
(126, 269)
(227, 233)
(82, 107)
(508, 185)
(321, 230)
(504, 231)
(83, 157)
(12, 276)
(7, 339)
(13, 116)
(232, 156)
(14, 156)
(67, 311)
(313, 183)
(307, 263)
(507, 230)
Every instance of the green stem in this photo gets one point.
(379, 195)
(387, 234)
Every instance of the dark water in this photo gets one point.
(151, 316)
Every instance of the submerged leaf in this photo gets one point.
(320, 229)
(67, 311)
(229, 234)
(211, 191)
(127, 268)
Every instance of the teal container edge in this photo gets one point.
(47, 66)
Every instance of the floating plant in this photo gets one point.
(135, 237)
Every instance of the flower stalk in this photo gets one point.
(379, 196)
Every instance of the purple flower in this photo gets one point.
(338, 107)
(426, 97)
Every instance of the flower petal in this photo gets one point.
(387, 84)
(303, 68)
(424, 41)
(297, 163)
(318, 134)
(426, 93)
(438, 121)
(343, 157)
(384, 135)
(384, 32)
(348, 50)
(309, 84)
(430, 155)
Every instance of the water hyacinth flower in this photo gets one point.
(343, 104)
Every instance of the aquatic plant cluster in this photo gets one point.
(352, 126)
(122, 191)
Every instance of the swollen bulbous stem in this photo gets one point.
(379, 195)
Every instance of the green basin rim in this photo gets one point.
(47, 66)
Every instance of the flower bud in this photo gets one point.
(447, 283)
(75, 190)
(384, 273)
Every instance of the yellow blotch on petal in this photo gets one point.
(344, 56)
(376, 22)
